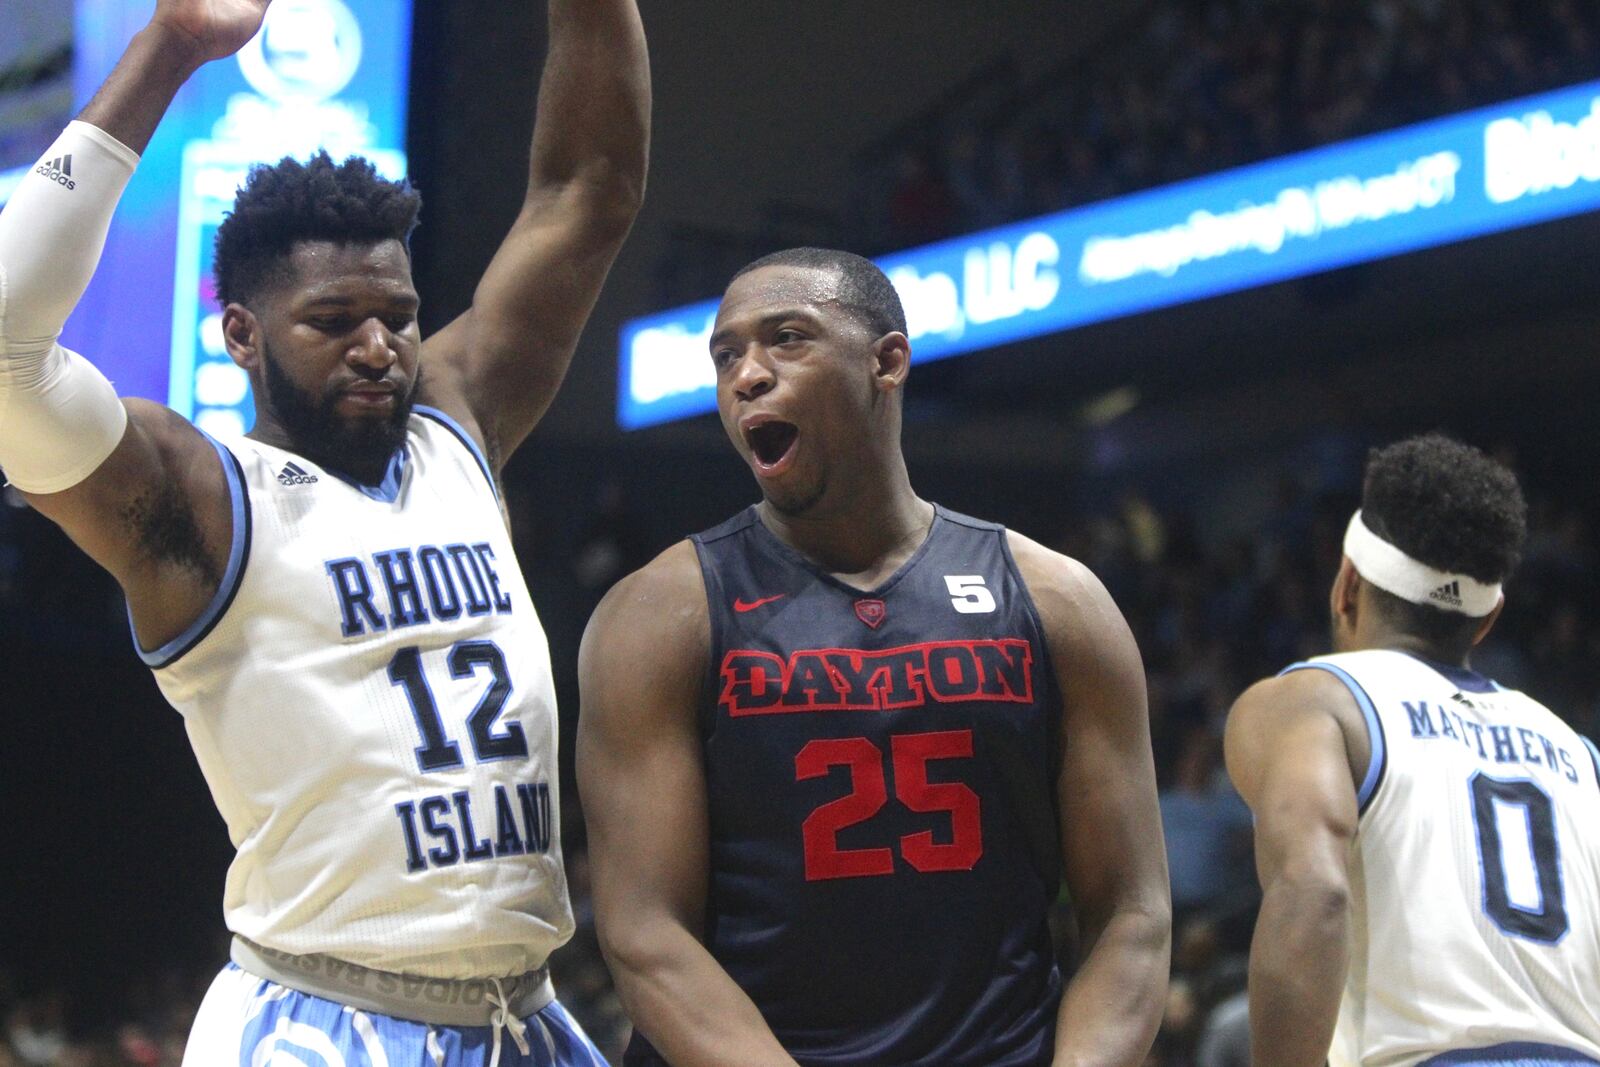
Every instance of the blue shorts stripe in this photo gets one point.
(1514, 1054)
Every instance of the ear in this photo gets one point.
(891, 361)
(1488, 622)
(1346, 590)
(241, 333)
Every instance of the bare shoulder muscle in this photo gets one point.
(1084, 628)
(157, 515)
(1270, 715)
(647, 647)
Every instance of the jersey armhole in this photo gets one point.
(460, 433)
(1378, 761)
(1046, 663)
(238, 556)
(706, 713)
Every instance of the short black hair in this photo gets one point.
(864, 290)
(1446, 504)
(319, 200)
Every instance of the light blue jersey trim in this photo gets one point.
(1380, 752)
(1594, 754)
(386, 491)
(466, 439)
(238, 555)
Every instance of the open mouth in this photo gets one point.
(772, 442)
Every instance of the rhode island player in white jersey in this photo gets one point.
(332, 602)
(1428, 842)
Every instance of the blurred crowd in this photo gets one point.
(1193, 88)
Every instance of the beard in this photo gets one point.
(360, 448)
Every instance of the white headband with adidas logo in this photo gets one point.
(1391, 570)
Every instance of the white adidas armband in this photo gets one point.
(59, 416)
(59, 420)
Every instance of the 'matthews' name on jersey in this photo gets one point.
(1516, 745)
(417, 586)
(849, 679)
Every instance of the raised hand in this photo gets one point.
(218, 28)
(182, 36)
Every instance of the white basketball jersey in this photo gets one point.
(1475, 878)
(369, 697)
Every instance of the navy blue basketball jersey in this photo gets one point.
(880, 768)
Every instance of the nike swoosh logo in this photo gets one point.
(741, 607)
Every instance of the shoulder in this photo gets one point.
(1066, 593)
(1304, 690)
(1093, 652)
(1275, 715)
(658, 611)
(441, 393)
(644, 658)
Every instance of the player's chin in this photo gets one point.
(792, 496)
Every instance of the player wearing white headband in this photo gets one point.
(1428, 842)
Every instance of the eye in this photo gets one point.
(721, 357)
(787, 336)
(400, 323)
(330, 324)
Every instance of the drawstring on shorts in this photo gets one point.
(503, 1020)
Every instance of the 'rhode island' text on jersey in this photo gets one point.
(1475, 881)
(369, 697)
(880, 769)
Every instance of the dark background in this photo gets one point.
(1228, 422)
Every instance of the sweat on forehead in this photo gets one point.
(823, 276)
(812, 286)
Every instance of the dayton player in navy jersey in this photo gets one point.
(1426, 839)
(838, 753)
(331, 601)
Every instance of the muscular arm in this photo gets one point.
(641, 670)
(1111, 841)
(139, 490)
(499, 365)
(1292, 742)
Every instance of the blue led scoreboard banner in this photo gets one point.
(1485, 171)
(327, 74)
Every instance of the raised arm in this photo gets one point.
(1112, 848)
(1291, 744)
(502, 361)
(137, 487)
(642, 669)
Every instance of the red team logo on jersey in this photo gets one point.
(853, 679)
(871, 612)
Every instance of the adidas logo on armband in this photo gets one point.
(294, 474)
(58, 170)
(1448, 593)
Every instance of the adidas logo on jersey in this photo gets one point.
(59, 170)
(294, 474)
(1448, 593)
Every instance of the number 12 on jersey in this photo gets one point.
(869, 792)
